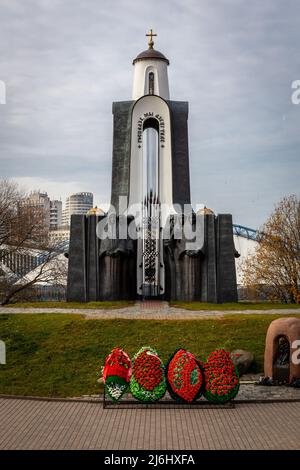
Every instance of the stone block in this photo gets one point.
(287, 328)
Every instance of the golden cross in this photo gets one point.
(151, 42)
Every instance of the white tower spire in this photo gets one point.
(150, 72)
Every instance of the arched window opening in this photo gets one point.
(150, 230)
(151, 83)
(150, 158)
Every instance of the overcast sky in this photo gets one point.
(65, 61)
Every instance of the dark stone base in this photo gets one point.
(106, 269)
(99, 269)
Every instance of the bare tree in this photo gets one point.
(23, 234)
(274, 268)
(10, 195)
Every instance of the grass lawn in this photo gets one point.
(233, 306)
(62, 304)
(61, 355)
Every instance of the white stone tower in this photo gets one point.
(150, 176)
(151, 165)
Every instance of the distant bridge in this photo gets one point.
(62, 247)
(245, 232)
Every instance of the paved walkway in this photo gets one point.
(29, 424)
(147, 311)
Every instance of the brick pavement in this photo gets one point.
(31, 424)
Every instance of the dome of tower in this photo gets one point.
(150, 54)
(205, 211)
(95, 211)
(150, 72)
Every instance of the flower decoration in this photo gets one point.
(148, 381)
(116, 373)
(221, 377)
(185, 378)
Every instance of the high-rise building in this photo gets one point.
(59, 235)
(78, 203)
(55, 214)
(36, 210)
(37, 200)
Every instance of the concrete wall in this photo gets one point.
(245, 247)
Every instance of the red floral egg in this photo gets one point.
(184, 376)
(147, 382)
(116, 373)
(221, 377)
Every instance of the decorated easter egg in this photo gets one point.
(148, 381)
(116, 373)
(185, 379)
(221, 377)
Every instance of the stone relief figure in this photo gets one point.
(283, 352)
(117, 267)
(183, 262)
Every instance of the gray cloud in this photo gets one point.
(64, 62)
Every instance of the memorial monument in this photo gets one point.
(151, 243)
